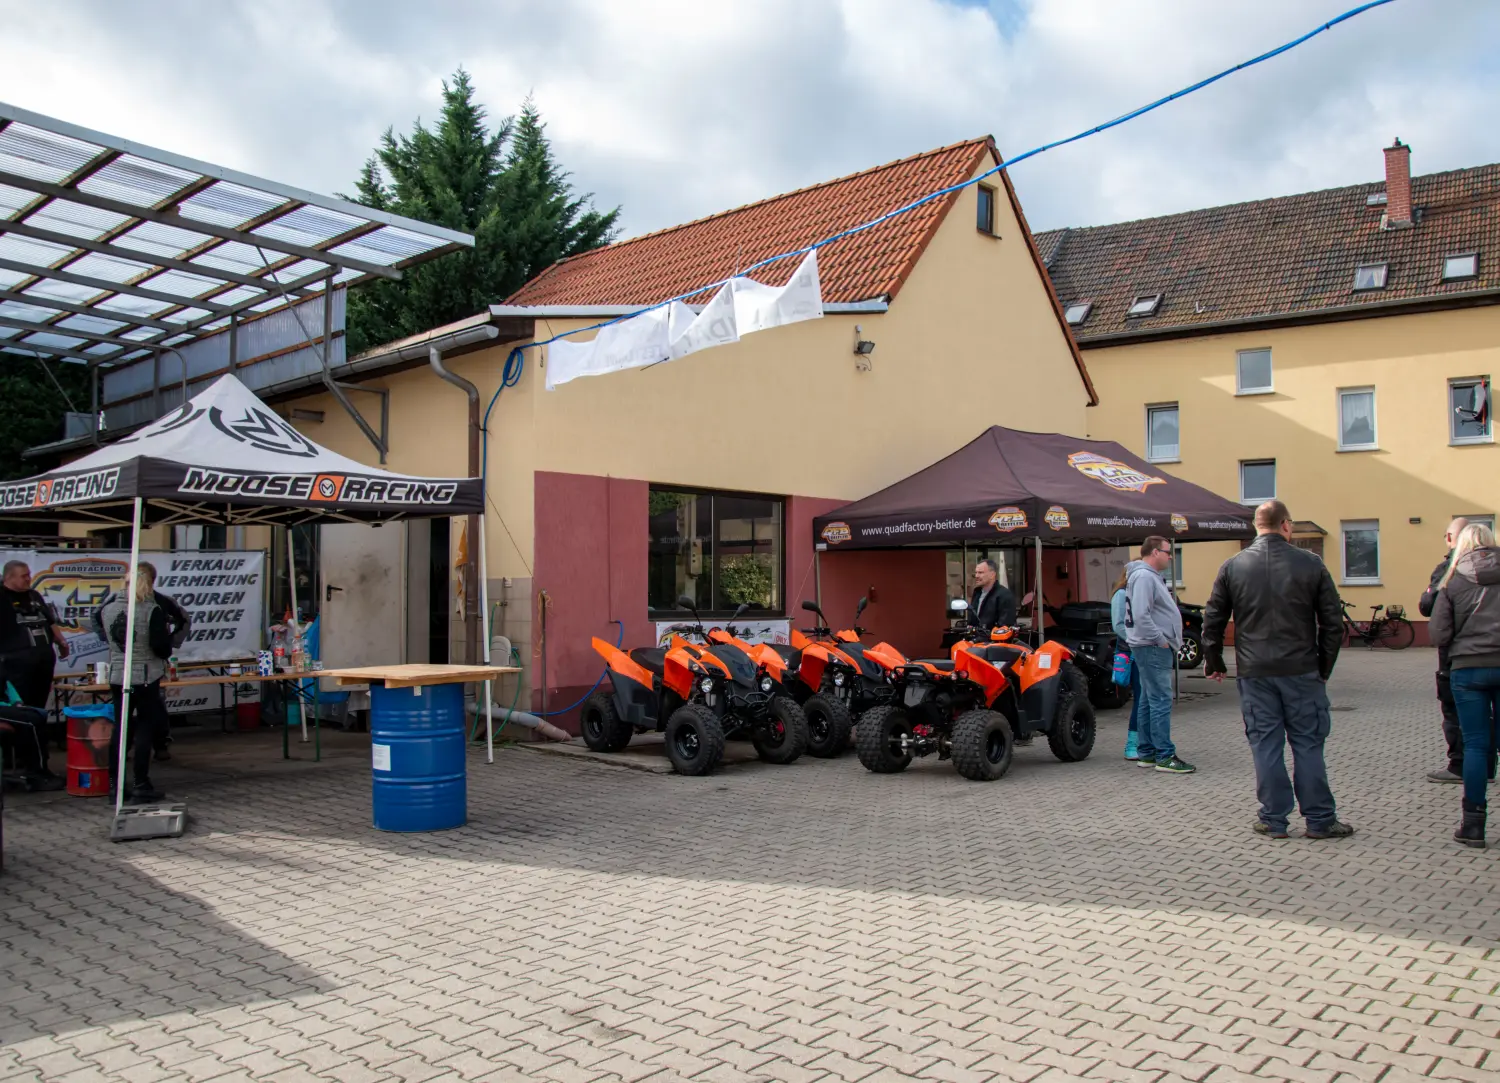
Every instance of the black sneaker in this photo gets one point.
(1263, 828)
(1174, 766)
(1335, 830)
(145, 794)
(43, 782)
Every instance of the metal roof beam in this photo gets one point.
(193, 225)
(84, 310)
(120, 252)
(27, 349)
(87, 336)
(103, 284)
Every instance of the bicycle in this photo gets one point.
(1392, 630)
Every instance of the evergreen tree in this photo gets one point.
(503, 186)
(32, 407)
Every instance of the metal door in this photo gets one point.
(364, 595)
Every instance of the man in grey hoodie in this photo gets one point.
(1153, 628)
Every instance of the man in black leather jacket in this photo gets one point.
(1288, 627)
(1452, 735)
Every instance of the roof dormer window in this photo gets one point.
(1144, 305)
(1077, 312)
(1370, 276)
(1461, 266)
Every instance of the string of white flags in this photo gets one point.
(740, 307)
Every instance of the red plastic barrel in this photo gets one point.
(88, 756)
(247, 716)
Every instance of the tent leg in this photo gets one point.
(291, 582)
(484, 627)
(818, 577)
(1036, 596)
(122, 724)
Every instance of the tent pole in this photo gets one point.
(122, 724)
(818, 576)
(291, 582)
(1036, 595)
(484, 619)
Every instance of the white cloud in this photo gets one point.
(676, 108)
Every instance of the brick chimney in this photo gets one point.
(1398, 186)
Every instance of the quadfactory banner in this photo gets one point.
(222, 592)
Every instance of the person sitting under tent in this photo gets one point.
(152, 645)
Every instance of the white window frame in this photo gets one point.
(1239, 383)
(1450, 257)
(1345, 579)
(1485, 517)
(1151, 456)
(1382, 271)
(1275, 481)
(1174, 570)
(1374, 444)
(1148, 303)
(1454, 440)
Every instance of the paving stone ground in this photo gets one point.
(812, 922)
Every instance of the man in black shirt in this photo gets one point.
(28, 634)
(992, 604)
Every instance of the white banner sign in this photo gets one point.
(222, 592)
(751, 631)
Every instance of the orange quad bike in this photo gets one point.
(838, 677)
(696, 695)
(972, 708)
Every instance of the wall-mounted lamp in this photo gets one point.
(863, 348)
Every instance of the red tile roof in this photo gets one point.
(1288, 258)
(647, 269)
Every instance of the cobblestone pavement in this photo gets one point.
(811, 922)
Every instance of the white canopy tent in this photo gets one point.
(225, 457)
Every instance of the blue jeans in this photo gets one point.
(1153, 713)
(1476, 692)
(1135, 697)
(1289, 710)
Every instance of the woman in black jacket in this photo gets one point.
(1466, 621)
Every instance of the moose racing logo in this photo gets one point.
(1007, 519)
(1117, 475)
(834, 533)
(70, 489)
(318, 488)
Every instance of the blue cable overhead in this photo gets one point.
(941, 192)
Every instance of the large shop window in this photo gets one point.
(722, 549)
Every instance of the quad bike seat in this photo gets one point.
(999, 652)
(945, 665)
(653, 659)
(789, 654)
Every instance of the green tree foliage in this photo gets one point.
(501, 185)
(32, 407)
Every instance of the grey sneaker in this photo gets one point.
(1174, 766)
(1335, 830)
(1263, 828)
(1443, 774)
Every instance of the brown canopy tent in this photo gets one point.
(1009, 486)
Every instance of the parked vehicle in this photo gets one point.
(1190, 656)
(697, 695)
(1392, 630)
(972, 707)
(1085, 629)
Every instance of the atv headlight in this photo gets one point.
(707, 684)
(766, 684)
(838, 680)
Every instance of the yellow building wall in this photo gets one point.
(1414, 473)
(970, 341)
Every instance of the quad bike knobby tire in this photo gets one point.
(784, 736)
(982, 745)
(1071, 737)
(877, 739)
(603, 731)
(695, 740)
(828, 726)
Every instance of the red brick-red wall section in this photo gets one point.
(591, 559)
(910, 592)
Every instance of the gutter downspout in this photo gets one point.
(470, 571)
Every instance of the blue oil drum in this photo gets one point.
(417, 745)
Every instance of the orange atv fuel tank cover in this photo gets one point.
(1041, 664)
(622, 663)
(886, 655)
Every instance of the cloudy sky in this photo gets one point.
(679, 108)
